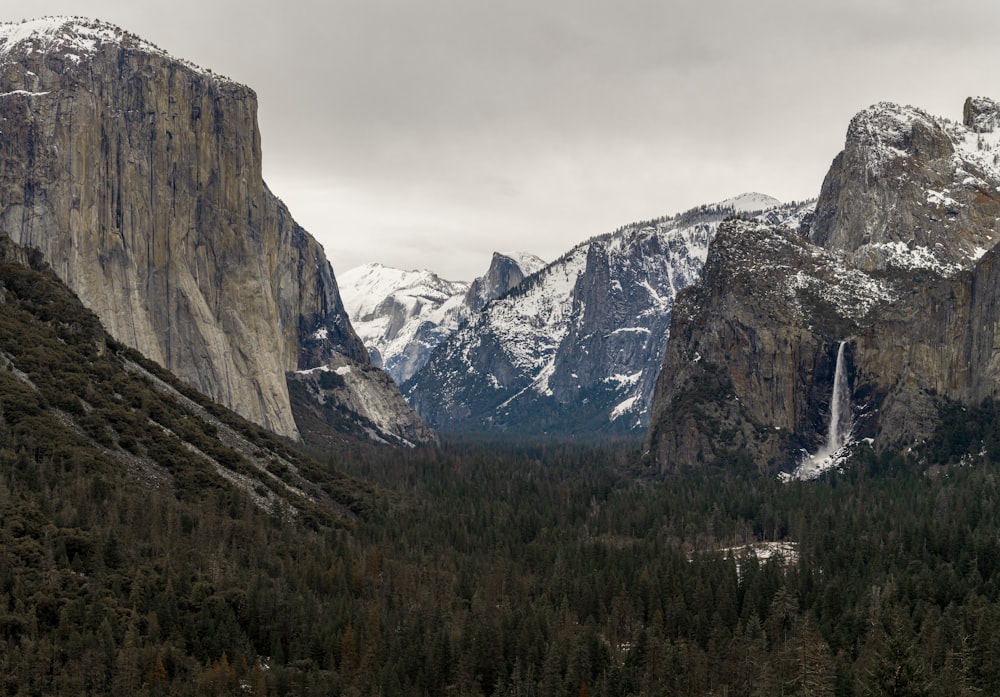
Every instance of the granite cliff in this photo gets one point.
(138, 176)
(898, 262)
(574, 349)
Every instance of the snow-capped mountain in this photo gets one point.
(878, 315)
(911, 190)
(402, 315)
(576, 347)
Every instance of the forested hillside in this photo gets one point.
(154, 543)
(509, 571)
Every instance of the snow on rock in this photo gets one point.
(582, 339)
(401, 316)
(75, 38)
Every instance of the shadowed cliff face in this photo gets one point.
(139, 178)
(750, 362)
(942, 339)
(904, 270)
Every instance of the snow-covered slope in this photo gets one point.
(576, 347)
(402, 315)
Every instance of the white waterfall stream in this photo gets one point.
(838, 432)
(839, 429)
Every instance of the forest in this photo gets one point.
(504, 570)
(476, 568)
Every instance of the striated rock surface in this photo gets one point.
(403, 315)
(575, 348)
(138, 176)
(942, 339)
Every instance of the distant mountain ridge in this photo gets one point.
(138, 177)
(403, 315)
(575, 348)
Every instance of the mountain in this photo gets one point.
(898, 264)
(402, 315)
(574, 348)
(72, 394)
(911, 190)
(138, 177)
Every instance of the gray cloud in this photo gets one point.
(428, 134)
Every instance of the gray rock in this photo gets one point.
(138, 176)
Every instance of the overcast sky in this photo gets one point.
(429, 133)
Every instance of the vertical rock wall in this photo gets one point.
(139, 178)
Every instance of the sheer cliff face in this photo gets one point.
(139, 178)
(942, 339)
(904, 270)
(913, 191)
(752, 351)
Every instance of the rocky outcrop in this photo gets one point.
(574, 349)
(138, 176)
(403, 315)
(504, 274)
(981, 115)
(913, 292)
(750, 363)
(368, 394)
(912, 191)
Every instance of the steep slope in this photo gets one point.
(575, 348)
(71, 392)
(138, 176)
(402, 315)
(908, 216)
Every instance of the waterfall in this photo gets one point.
(838, 432)
(840, 407)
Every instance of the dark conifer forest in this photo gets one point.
(472, 569)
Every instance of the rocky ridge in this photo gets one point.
(138, 176)
(403, 315)
(898, 262)
(574, 349)
(911, 190)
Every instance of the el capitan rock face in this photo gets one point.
(138, 176)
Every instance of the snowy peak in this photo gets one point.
(505, 272)
(575, 348)
(911, 190)
(367, 288)
(751, 202)
(74, 39)
(401, 316)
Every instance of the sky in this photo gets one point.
(430, 133)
